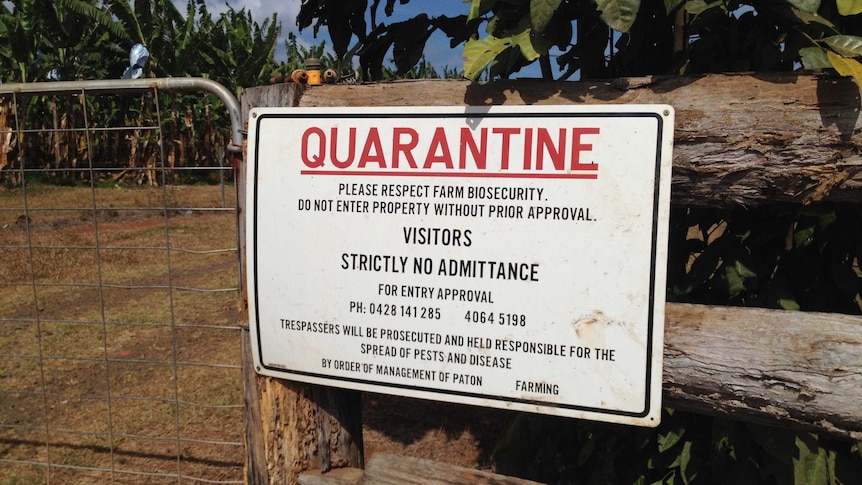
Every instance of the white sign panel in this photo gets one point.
(511, 257)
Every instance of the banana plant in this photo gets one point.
(18, 32)
(152, 23)
(240, 50)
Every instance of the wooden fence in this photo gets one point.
(739, 140)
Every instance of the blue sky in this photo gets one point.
(437, 50)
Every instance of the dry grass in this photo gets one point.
(121, 316)
(80, 324)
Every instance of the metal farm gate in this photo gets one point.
(119, 276)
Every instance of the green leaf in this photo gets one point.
(479, 8)
(810, 466)
(814, 58)
(697, 7)
(810, 6)
(826, 219)
(846, 45)
(474, 8)
(846, 67)
(788, 304)
(803, 237)
(825, 216)
(735, 283)
(811, 18)
(849, 7)
(478, 53)
(736, 274)
(619, 14)
(666, 441)
(528, 50)
(541, 12)
(684, 460)
(743, 270)
(504, 64)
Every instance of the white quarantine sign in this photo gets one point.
(511, 257)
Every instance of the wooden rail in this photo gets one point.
(400, 470)
(792, 369)
(780, 137)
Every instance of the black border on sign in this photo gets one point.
(468, 114)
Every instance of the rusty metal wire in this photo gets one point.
(119, 339)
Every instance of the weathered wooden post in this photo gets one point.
(293, 427)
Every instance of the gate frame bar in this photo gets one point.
(119, 86)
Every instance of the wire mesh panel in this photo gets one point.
(119, 274)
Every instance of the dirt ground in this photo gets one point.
(126, 358)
